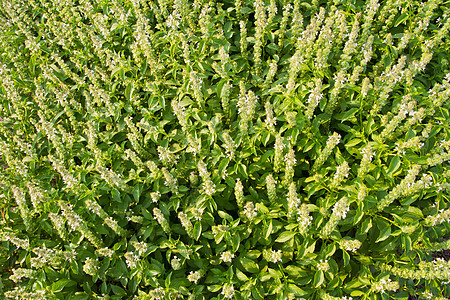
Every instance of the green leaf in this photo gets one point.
(402, 18)
(249, 265)
(296, 290)
(394, 165)
(296, 271)
(407, 243)
(366, 225)
(285, 236)
(346, 257)
(241, 276)
(214, 288)
(137, 191)
(197, 230)
(357, 293)
(347, 115)
(129, 90)
(61, 284)
(225, 216)
(268, 230)
(385, 230)
(319, 278)
(352, 143)
(329, 251)
(117, 290)
(235, 241)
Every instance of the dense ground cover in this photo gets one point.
(224, 150)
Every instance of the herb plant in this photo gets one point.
(225, 149)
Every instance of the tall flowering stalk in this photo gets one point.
(340, 210)
(76, 223)
(367, 154)
(314, 98)
(332, 142)
(186, 223)
(279, 146)
(110, 222)
(290, 164)
(270, 119)
(225, 97)
(239, 193)
(271, 186)
(261, 23)
(23, 207)
(406, 187)
(170, 181)
(158, 216)
(208, 186)
(303, 218)
(271, 73)
(438, 269)
(246, 108)
(243, 40)
(342, 172)
(292, 200)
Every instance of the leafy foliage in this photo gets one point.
(214, 150)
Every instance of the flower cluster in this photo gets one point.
(406, 187)
(21, 293)
(140, 247)
(131, 259)
(166, 156)
(157, 294)
(341, 173)
(51, 257)
(350, 245)
(155, 196)
(113, 179)
(20, 273)
(270, 119)
(314, 98)
(225, 96)
(23, 207)
(368, 155)
(194, 276)
(226, 256)
(11, 237)
(91, 266)
(250, 211)
(323, 265)
(272, 72)
(341, 208)
(77, 224)
(170, 181)
(384, 285)
(58, 224)
(228, 291)
(175, 262)
(290, 160)
(272, 255)
(442, 216)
